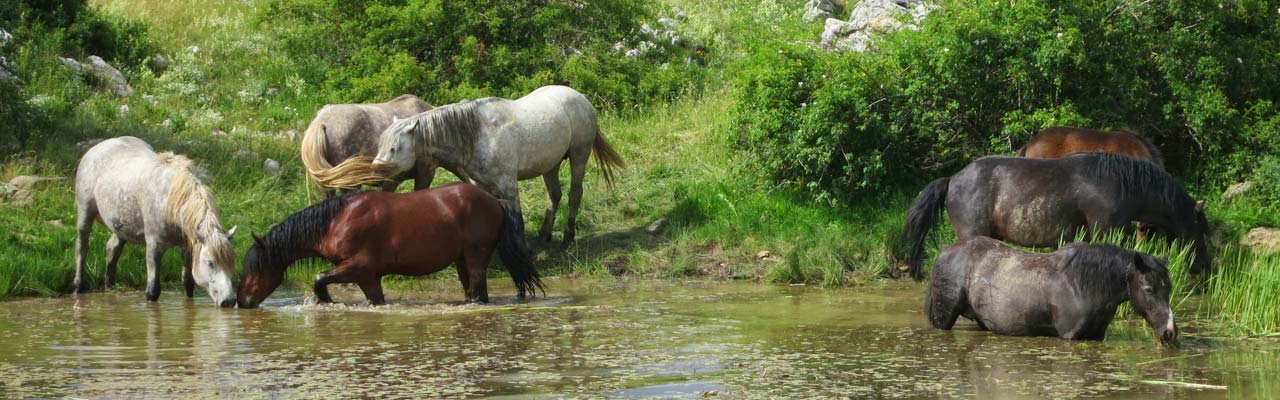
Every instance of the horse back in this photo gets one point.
(126, 182)
(1061, 141)
(1026, 201)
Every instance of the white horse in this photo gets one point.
(494, 142)
(342, 131)
(155, 199)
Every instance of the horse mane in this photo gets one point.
(455, 124)
(191, 206)
(300, 230)
(1156, 156)
(1135, 176)
(1100, 269)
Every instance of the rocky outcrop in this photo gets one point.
(1237, 190)
(100, 74)
(819, 9)
(1262, 240)
(871, 17)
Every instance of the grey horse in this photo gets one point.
(342, 131)
(156, 200)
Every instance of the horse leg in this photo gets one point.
(343, 273)
(461, 266)
(475, 262)
(372, 288)
(188, 280)
(155, 256)
(85, 216)
(115, 246)
(552, 180)
(423, 175)
(577, 170)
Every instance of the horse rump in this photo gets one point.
(515, 252)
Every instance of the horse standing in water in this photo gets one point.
(494, 143)
(343, 131)
(1060, 141)
(144, 197)
(1071, 293)
(371, 234)
(1036, 202)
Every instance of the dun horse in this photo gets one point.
(1071, 293)
(343, 131)
(371, 234)
(154, 199)
(1060, 141)
(496, 142)
(1036, 202)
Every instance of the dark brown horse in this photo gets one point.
(1071, 293)
(1039, 202)
(371, 234)
(1061, 141)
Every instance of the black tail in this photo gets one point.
(515, 252)
(921, 218)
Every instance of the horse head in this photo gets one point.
(261, 275)
(213, 265)
(398, 146)
(1149, 289)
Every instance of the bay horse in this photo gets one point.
(1070, 293)
(1060, 141)
(368, 235)
(494, 143)
(1037, 202)
(343, 131)
(156, 200)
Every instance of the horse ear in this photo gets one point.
(232, 232)
(1199, 205)
(1139, 262)
(395, 119)
(256, 239)
(412, 124)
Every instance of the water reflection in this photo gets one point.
(589, 339)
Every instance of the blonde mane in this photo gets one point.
(191, 206)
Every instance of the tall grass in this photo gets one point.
(1243, 295)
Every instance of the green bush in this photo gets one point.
(980, 78)
(446, 50)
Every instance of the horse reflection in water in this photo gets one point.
(1071, 293)
(371, 234)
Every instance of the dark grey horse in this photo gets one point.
(1037, 202)
(1071, 293)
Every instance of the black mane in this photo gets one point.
(1102, 268)
(1135, 176)
(300, 230)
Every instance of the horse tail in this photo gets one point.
(921, 218)
(515, 252)
(607, 157)
(313, 149)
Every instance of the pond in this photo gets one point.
(588, 339)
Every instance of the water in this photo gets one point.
(589, 339)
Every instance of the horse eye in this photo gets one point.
(1147, 289)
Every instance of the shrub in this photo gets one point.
(980, 78)
(446, 51)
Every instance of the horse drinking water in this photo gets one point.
(155, 199)
(1036, 202)
(371, 234)
(495, 142)
(1071, 293)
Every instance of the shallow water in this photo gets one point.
(589, 339)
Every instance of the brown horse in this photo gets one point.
(371, 234)
(1060, 141)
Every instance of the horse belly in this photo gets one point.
(1035, 222)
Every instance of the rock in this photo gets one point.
(218, 134)
(679, 13)
(56, 223)
(271, 167)
(648, 31)
(633, 53)
(244, 154)
(819, 9)
(158, 64)
(85, 145)
(655, 226)
(763, 254)
(835, 30)
(74, 65)
(5, 37)
(123, 111)
(29, 181)
(667, 23)
(292, 134)
(6, 70)
(7, 190)
(1262, 240)
(109, 77)
(193, 49)
(167, 123)
(1237, 190)
(22, 198)
(869, 17)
